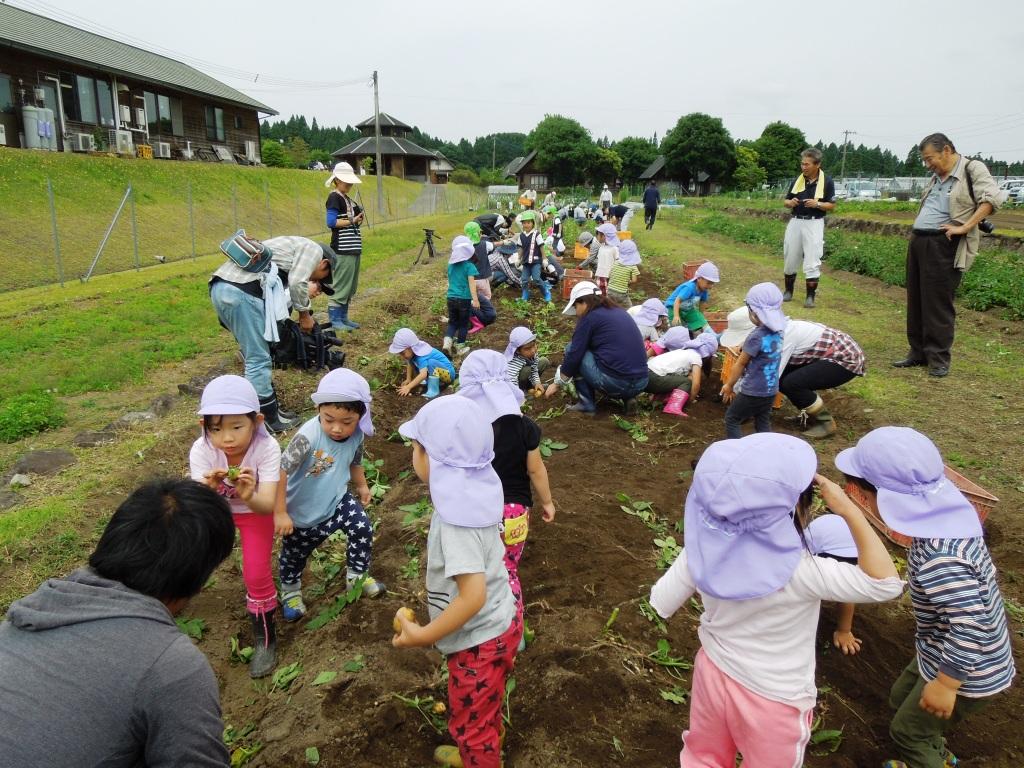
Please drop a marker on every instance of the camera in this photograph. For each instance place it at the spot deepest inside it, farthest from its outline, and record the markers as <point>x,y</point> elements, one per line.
<point>986,226</point>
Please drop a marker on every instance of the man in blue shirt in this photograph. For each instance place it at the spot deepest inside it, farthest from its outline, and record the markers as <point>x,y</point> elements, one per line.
<point>652,199</point>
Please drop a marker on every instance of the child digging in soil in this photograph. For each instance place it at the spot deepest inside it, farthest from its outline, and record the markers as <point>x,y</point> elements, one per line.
<point>237,458</point>
<point>474,619</point>
<point>625,271</point>
<point>423,365</point>
<point>963,655</point>
<point>829,536</point>
<point>753,681</point>
<point>685,303</point>
<point>676,368</point>
<point>325,454</point>
<point>462,298</point>
<point>651,318</point>
<point>517,458</point>
<point>523,366</point>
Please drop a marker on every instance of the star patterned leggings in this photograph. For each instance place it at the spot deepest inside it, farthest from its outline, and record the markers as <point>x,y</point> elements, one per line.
<point>348,517</point>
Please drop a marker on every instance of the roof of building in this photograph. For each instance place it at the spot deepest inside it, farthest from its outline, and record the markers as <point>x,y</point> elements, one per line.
<point>654,168</point>
<point>441,163</point>
<point>31,32</point>
<point>389,145</point>
<point>385,120</point>
<point>513,163</point>
<point>514,169</point>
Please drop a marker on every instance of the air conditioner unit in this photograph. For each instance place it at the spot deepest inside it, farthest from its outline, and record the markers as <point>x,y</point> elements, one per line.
<point>3,135</point>
<point>140,116</point>
<point>83,142</point>
<point>122,142</point>
<point>250,152</point>
<point>126,114</point>
<point>162,149</point>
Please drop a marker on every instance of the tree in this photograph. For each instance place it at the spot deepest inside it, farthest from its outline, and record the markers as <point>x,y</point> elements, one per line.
<point>605,164</point>
<point>636,154</point>
<point>779,148</point>
<point>697,143</point>
<point>297,151</point>
<point>748,174</point>
<point>273,154</point>
<point>564,148</point>
<point>913,166</point>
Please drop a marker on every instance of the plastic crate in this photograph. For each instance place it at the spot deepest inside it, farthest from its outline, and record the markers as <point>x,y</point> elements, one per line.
<point>729,357</point>
<point>581,251</point>
<point>980,499</point>
<point>573,276</point>
<point>625,235</point>
<point>718,321</point>
<point>690,269</point>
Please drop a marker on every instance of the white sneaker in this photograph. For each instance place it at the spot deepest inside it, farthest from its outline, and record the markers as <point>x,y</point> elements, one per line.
<point>371,587</point>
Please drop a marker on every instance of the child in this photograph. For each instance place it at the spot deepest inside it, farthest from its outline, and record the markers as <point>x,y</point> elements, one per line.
<point>624,273</point>
<point>237,457</point>
<point>753,682</point>
<point>677,372</point>
<point>524,366</point>
<point>482,249</point>
<point>963,648</point>
<point>754,378</point>
<point>462,298</point>
<point>829,536</point>
<point>517,458</point>
<point>607,254</point>
<point>651,318</point>
<point>325,454</point>
<point>474,620</point>
<point>423,363</point>
<point>687,300</point>
<point>532,258</point>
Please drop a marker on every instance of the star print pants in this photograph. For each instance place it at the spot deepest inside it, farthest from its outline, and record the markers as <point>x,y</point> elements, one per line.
<point>348,517</point>
<point>476,692</point>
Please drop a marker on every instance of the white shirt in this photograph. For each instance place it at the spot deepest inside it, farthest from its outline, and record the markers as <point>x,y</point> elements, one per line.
<point>767,643</point>
<point>798,336</point>
<point>607,255</point>
<point>676,361</point>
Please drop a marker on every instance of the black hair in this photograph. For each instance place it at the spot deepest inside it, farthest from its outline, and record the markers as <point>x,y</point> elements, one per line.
<point>357,407</point>
<point>594,300</point>
<point>166,539</point>
<point>937,141</point>
<point>840,558</point>
<point>214,420</point>
<point>803,506</point>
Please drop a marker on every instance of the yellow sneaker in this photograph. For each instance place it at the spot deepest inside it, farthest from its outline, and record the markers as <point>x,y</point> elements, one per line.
<point>448,755</point>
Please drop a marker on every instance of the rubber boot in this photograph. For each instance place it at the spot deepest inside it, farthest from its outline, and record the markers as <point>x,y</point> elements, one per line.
<point>526,293</point>
<point>475,326</point>
<point>336,315</point>
<point>545,289</point>
<point>433,387</point>
<point>346,320</point>
<point>272,415</point>
<point>812,288</point>
<point>790,285</point>
<point>819,421</point>
<point>264,643</point>
<point>284,414</point>
<point>676,401</point>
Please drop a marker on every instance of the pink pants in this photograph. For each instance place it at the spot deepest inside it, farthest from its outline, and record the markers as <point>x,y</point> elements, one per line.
<point>514,528</point>
<point>726,718</point>
<point>257,532</point>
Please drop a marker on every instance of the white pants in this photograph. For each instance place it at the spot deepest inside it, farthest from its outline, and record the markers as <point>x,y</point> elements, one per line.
<point>624,224</point>
<point>804,245</point>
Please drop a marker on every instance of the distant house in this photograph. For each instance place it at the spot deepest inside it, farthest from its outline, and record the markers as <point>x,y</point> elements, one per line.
<point>440,168</point>
<point>509,169</point>
<point>62,88</point>
<point>528,176</point>
<point>399,156</point>
<point>702,186</point>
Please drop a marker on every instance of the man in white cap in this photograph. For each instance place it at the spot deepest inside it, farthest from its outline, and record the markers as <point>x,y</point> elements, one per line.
<point>605,199</point>
<point>344,216</point>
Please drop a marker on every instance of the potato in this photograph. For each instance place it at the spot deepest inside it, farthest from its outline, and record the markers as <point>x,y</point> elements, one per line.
<point>408,613</point>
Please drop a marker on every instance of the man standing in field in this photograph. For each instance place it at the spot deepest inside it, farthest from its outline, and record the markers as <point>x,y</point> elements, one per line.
<point>93,669</point>
<point>943,244</point>
<point>652,199</point>
<point>811,195</point>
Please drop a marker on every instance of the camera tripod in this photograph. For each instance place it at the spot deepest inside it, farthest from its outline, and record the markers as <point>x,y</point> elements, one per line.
<point>428,243</point>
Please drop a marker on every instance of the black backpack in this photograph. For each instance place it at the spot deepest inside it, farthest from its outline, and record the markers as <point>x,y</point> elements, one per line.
<point>313,351</point>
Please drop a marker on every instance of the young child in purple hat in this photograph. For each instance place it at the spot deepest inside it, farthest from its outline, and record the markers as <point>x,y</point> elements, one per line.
<point>963,654</point>
<point>474,619</point>
<point>325,455</point>
<point>237,458</point>
<point>829,536</point>
<point>754,378</point>
<point>524,365</point>
<point>423,364</point>
<point>651,318</point>
<point>753,682</point>
<point>684,304</point>
<point>462,298</point>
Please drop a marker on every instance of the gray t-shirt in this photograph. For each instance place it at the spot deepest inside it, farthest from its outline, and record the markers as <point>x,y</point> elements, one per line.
<point>453,550</point>
<point>935,209</point>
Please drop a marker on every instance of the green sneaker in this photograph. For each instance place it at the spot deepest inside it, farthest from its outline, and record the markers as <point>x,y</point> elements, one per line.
<point>292,607</point>
<point>371,587</point>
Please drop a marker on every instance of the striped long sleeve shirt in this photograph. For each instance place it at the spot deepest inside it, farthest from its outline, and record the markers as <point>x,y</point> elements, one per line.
<point>961,620</point>
<point>517,363</point>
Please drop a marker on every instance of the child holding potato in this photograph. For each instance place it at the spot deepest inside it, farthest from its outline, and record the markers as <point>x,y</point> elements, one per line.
<point>473,616</point>
<point>524,367</point>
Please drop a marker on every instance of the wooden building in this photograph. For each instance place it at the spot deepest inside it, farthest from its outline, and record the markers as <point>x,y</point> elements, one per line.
<point>701,186</point>
<point>399,156</point>
<point>67,89</point>
<point>528,176</point>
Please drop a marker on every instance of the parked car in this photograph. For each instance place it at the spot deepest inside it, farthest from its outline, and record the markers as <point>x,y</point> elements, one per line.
<point>1017,195</point>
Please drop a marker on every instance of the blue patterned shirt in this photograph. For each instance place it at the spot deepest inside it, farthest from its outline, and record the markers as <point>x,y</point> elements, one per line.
<point>761,376</point>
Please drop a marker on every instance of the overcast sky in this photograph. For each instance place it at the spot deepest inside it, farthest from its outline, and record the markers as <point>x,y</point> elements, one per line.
<point>891,70</point>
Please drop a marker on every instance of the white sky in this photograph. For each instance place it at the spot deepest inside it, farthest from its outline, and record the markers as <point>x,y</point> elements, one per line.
<point>891,70</point>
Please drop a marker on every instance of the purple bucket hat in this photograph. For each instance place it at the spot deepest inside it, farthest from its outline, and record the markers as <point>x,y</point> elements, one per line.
<point>739,535</point>
<point>765,301</point>
<point>708,271</point>
<point>459,442</point>
<point>830,535</point>
<point>706,344</point>
<point>611,234</point>
<point>915,497</point>
<point>483,378</point>
<point>343,385</point>
<point>675,338</point>
<point>629,254</point>
<point>462,250</point>
<point>517,337</point>
<point>406,339</point>
<point>650,312</point>
<point>230,396</point>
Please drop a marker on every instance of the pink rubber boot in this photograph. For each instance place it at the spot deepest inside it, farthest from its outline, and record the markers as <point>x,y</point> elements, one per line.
<point>475,326</point>
<point>676,402</point>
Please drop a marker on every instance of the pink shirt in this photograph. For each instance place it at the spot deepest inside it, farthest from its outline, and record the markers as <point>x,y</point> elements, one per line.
<point>264,456</point>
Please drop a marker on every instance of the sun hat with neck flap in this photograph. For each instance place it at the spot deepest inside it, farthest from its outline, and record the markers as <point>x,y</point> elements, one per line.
<point>517,337</point>
<point>462,250</point>
<point>650,312</point>
<point>765,301</point>
<point>459,442</point>
<point>404,338</point>
<point>230,395</point>
<point>483,378</point>
<point>343,385</point>
<point>739,535</point>
<point>915,497</point>
<point>629,254</point>
<point>830,534</point>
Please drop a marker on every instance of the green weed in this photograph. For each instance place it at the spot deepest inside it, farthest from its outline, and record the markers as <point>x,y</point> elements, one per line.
<point>29,413</point>
<point>193,627</point>
<point>334,610</point>
<point>548,446</point>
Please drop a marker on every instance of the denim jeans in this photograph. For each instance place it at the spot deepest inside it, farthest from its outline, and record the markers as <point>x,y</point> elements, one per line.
<point>533,272</point>
<point>243,315</point>
<point>487,314</point>
<point>592,378</point>
<point>742,408</point>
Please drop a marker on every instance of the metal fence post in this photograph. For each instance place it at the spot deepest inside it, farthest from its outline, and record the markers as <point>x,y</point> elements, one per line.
<point>56,236</point>
<point>270,215</point>
<point>106,236</point>
<point>191,219</point>
<point>234,203</point>
<point>298,213</point>
<point>135,230</point>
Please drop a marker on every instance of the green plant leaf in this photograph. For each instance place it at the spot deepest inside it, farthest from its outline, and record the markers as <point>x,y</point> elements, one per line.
<point>356,665</point>
<point>312,756</point>
<point>325,677</point>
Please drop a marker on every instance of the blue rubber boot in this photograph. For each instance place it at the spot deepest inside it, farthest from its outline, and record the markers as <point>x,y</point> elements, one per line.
<point>433,387</point>
<point>545,288</point>
<point>347,320</point>
<point>526,293</point>
<point>336,314</point>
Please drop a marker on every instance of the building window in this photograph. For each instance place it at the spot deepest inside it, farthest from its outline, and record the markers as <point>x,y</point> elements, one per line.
<point>163,104</point>
<point>215,124</point>
<point>537,182</point>
<point>105,99</point>
<point>85,95</point>
<point>6,97</point>
<point>238,122</point>
<point>164,115</point>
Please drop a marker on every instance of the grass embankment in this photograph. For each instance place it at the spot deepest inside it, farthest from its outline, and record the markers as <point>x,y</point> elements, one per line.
<point>88,190</point>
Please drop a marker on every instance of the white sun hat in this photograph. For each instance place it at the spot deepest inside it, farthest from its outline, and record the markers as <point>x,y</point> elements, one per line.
<point>343,172</point>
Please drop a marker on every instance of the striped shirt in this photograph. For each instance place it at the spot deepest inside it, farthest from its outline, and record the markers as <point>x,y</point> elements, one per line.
<point>961,620</point>
<point>345,239</point>
<point>295,256</point>
<point>517,363</point>
<point>620,276</point>
<point>836,346</point>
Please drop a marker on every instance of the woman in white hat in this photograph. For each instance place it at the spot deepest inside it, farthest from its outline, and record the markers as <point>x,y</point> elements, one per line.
<point>344,216</point>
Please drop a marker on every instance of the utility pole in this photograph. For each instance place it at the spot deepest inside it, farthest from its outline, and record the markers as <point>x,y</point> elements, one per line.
<point>376,133</point>
<point>846,140</point>
<point>494,148</point>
